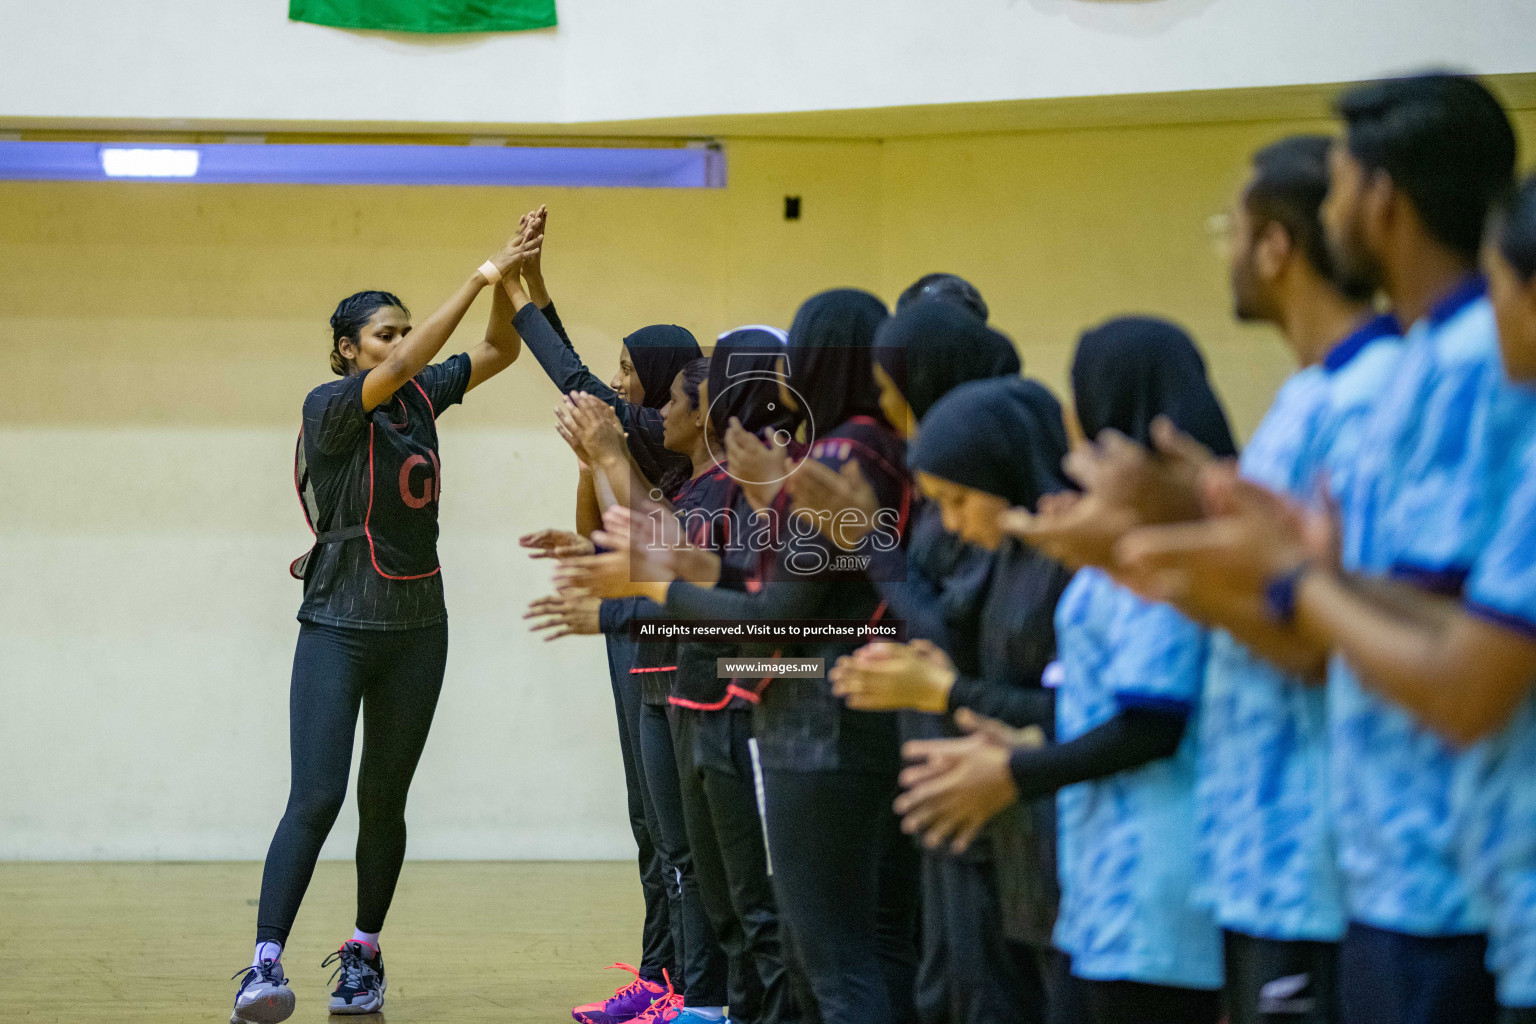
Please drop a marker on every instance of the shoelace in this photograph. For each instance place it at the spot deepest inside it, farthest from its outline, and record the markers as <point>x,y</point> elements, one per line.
<point>351,966</point>
<point>638,985</point>
<point>663,1003</point>
<point>664,1009</point>
<point>266,971</point>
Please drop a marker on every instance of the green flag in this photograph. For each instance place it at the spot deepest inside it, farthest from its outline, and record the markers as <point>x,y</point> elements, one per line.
<point>427,15</point>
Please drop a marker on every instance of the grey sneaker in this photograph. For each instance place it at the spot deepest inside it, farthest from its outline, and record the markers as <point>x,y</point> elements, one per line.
<point>361,988</point>
<point>264,996</point>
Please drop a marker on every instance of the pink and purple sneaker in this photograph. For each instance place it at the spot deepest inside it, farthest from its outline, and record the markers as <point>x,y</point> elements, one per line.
<point>627,1003</point>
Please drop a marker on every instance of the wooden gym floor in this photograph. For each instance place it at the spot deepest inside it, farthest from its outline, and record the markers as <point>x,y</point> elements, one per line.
<point>154,943</point>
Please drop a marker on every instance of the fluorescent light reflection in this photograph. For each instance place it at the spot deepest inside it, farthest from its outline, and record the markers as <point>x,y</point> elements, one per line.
<point>150,163</point>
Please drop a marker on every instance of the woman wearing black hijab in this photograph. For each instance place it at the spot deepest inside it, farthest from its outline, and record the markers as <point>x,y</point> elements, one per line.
<point>987,912</point>
<point>846,879</point>
<point>1129,370</point>
<point>844,876</point>
<point>695,728</point>
<point>921,354</point>
<point>711,718</point>
<point>649,360</point>
<point>927,350</point>
<point>1121,766</point>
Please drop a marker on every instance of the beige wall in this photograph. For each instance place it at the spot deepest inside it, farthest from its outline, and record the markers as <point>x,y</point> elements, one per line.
<point>157,341</point>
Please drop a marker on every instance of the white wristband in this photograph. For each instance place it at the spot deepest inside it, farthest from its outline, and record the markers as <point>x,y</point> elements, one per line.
<point>490,273</point>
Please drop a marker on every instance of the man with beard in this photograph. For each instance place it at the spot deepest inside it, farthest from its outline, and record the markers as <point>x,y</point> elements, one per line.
<point>1266,835</point>
<point>1410,189</point>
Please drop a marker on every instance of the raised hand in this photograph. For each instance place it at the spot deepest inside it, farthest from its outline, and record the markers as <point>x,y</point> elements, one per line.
<point>759,466</point>
<point>553,543</point>
<point>518,249</point>
<point>534,223</point>
<point>564,614</point>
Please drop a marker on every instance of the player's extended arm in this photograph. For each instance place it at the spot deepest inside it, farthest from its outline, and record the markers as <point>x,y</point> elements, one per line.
<point>411,354</point>
<point>1464,676</point>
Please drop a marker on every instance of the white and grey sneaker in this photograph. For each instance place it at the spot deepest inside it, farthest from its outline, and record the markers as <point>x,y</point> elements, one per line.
<point>264,996</point>
<point>361,988</point>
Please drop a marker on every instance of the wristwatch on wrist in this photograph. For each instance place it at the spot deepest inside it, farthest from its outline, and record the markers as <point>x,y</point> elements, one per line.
<point>1280,594</point>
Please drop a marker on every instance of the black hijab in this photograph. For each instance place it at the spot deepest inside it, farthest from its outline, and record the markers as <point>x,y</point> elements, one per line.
<point>1004,436</point>
<point>659,353</point>
<point>931,347</point>
<point>831,345</point>
<point>744,380</point>
<point>1130,370</point>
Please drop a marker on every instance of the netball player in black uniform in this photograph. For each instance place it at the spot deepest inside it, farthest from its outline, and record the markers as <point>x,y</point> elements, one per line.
<point>844,877</point>
<point>373,628</point>
<point>650,362</point>
<point>712,796</point>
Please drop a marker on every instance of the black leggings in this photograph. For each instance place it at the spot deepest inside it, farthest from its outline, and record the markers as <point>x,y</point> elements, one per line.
<point>847,882</point>
<point>1133,1002</point>
<point>970,972</point>
<point>1389,977</point>
<point>730,857</point>
<point>702,962</point>
<point>395,677</point>
<point>659,938</point>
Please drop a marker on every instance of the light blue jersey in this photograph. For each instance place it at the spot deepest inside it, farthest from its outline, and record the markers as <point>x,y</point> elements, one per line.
<point>1267,855</point>
<point>1419,506</point>
<point>1126,843</point>
<point>1496,798</point>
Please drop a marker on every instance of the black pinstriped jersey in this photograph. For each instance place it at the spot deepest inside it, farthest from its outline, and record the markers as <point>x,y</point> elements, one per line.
<point>344,585</point>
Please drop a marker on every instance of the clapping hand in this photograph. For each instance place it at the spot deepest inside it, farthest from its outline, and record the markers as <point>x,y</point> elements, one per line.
<point>759,466</point>
<point>553,543</point>
<point>842,501</point>
<point>591,428</point>
<point>953,787</point>
<point>886,677</point>
<point>566,613</point>
<point>1251,536</point>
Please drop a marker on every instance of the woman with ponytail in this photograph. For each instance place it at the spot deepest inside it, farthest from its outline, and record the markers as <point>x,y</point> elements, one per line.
<point>373,633</point>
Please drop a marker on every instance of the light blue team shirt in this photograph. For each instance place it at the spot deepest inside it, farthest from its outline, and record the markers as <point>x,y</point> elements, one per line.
<point>1496,794</point>
<point>1418,506</point>
<point>1126,843</point>
<point>1268,864</point>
